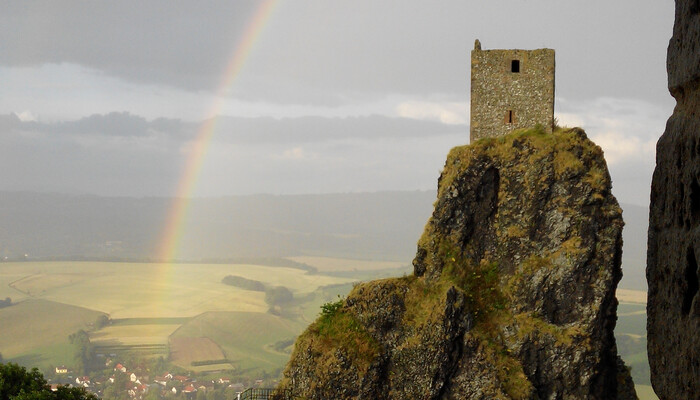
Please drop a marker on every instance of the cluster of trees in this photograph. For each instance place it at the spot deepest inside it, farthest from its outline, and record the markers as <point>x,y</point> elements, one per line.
<point>6,303</point>
<point>16,383</point>
<point>275,296</point>
<point>83,351</point>
<point>278,297</point>
<point>102,321</point>
<point>244,283</point>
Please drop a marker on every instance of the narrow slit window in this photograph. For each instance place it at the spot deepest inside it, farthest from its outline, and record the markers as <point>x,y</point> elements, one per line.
<point>515,66</point>
<point>510,117</point>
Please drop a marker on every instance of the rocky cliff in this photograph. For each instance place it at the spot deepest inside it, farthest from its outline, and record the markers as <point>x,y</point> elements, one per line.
<point>673,308</point>
<point>512,294</point>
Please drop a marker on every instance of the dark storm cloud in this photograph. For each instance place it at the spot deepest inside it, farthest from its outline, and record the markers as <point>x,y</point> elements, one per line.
<point>333,52</point>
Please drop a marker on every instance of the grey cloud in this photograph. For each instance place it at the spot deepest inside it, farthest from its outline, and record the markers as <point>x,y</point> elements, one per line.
<point>8,122</point>
<point>319,129</point>
<point>180,43</point>
<point>116,124</point>
<point>112,124</point>
<point>336,52</point>
<point>240,130</point>
<point>127,155</point>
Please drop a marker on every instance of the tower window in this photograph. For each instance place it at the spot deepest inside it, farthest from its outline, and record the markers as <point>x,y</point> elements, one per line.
<point>515,66</point>
<point>510,117</point>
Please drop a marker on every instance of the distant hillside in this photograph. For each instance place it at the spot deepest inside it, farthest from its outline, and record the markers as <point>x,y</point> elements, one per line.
<point>366,225</point>
<point>634,247</point>
<point>380,226</point>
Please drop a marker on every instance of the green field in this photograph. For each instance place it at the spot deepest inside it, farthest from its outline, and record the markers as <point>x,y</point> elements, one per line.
<point>630,333</point>
<point>37,330</point>
<point>246,338</point>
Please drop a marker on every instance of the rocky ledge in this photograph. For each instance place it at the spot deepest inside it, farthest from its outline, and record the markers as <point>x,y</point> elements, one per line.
<point>513,291</point>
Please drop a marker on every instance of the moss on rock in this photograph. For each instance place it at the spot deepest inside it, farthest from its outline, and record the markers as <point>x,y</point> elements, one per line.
<point>512,294</point>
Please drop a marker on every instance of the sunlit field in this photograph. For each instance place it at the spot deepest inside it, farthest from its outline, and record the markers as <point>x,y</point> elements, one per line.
<point>38,329</point>
<point>142,290</point>
<point>133,334</point>
<point>247,339</point>
<point>173,310</point>
<point>631,296</point>
<point>329,264</point>
<point>151,304</point>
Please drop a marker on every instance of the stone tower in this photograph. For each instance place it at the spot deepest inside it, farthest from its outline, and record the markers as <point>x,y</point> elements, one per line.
<point>511,89</point>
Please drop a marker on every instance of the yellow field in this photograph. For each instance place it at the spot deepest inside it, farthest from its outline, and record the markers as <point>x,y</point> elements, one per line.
<point>141,290</point>
<point>185,350</point>
<point>631,296</point>
<point>31,324</point>
<point>7,277</point>
<point>149,303</point>
<point>133,334</point>
<point>245,338</point>
<point>328,264</point>
<point>645,392</point>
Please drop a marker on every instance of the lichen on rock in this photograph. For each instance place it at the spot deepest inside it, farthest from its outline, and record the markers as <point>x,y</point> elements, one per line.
<point>512,295</point>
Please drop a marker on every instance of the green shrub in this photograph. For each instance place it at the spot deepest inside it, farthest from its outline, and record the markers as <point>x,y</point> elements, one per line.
<point>331,308</point>
<point>479,282</point>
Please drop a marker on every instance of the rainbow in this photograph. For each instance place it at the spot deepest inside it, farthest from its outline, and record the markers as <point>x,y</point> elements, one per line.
<point>174,226</point>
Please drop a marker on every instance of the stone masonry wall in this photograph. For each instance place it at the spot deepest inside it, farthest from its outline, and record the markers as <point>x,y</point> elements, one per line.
<point>502,100</point>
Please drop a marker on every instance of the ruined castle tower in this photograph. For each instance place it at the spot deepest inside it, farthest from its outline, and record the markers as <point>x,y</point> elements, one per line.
<point>511,89</point>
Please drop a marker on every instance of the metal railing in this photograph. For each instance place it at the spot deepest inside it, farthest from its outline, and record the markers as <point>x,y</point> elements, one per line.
<point>265,394</point>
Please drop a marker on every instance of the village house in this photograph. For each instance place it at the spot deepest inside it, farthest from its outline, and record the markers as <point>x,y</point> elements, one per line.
<point>83,381</point>
<point>205,386</point>
<point>189,389</point>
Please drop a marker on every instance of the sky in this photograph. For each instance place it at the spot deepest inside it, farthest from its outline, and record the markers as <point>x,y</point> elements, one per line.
<point>316,96</point>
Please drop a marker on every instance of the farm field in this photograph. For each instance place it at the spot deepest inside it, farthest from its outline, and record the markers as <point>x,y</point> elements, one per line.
<point>133,334</point>
<point>631,296</point>
<point>185,312</point>
<point>150,305</point>
<point>245,338</point>
<point>41,328</point>
<point>645,392</point>
<point>143,290</point>
<point>186,351</point>
<point>6,280</point>
<point>329,264</point>
<point>630,333</point>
